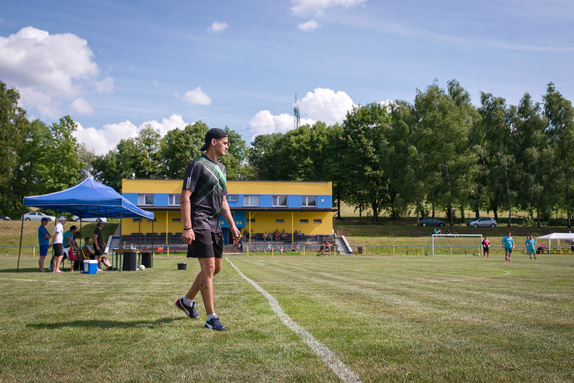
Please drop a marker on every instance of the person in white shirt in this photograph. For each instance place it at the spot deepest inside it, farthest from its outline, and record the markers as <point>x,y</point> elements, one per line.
<point>58,244</point>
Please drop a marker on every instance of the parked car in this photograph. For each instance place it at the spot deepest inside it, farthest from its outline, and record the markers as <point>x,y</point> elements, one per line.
<point>4,218</point>
<point>429,221</point>
<point>482,222</point>
<point>37,216</point>
<point>88,219</point>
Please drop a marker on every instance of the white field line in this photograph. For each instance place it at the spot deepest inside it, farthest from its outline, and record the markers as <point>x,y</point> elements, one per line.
<point>328,357</point>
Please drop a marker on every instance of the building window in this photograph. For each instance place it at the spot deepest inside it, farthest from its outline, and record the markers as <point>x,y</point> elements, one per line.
<point>303,221</point>
<point>279,220</point>
<point>309,201</point>
<point>279,201</point>
<point>174,199</point>
<point>137,219</point>
<point>146,199</point>
<point>251,200</point>
<point>176,220</point>
<point>252,220</point>
<point>232,198</point>
<point>152,220</point>
<point>317,221</point>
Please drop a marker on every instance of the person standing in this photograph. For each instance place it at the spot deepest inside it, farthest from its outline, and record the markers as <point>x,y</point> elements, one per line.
<point>507,245</point>
<point>530,246</point>
<point>486,247</point>
<point>99,243</point>
<point>44,242</point>
<point>202,203</point>
<point>72,246</point>
<point>58,244</point>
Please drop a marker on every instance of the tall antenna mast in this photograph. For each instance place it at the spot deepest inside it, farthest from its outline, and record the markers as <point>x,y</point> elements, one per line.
<point>296,115</point>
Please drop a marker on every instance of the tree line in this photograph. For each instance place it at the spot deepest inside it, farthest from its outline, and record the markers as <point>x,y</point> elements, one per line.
<point>439,153</point>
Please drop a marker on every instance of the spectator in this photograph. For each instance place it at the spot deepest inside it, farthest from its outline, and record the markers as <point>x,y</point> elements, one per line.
<point>71,244</point>
<point>508,246</point>
<point>486,247</point>
<point>44,242</point>
<point>530,246</point>
<point>58,244</point>
<point>99,242</point>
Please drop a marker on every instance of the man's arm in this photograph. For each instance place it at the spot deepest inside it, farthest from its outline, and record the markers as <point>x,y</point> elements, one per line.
<point>185,206</point>
<point>226,212</point>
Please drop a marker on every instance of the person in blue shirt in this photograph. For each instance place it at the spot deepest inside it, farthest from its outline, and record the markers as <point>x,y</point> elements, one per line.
<point>44,242</point>
<point>507,245</point>
<point>530,246</point>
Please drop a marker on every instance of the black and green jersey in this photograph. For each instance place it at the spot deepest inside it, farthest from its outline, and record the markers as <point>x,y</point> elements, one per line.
<point>207,181</point>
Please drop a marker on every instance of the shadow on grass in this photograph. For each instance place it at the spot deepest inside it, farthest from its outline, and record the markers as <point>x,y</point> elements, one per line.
<point>22,270</point>
<point>103,324</point>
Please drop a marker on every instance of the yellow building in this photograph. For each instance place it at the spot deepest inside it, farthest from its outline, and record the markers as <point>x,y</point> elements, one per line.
<point>258,208</point>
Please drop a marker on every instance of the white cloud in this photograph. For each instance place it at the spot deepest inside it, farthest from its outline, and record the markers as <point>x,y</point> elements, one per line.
<point>326,105</point>
<point>218,26</point>
<point>309,26</point>
<point>101,141</point>
<point>49,70</point>
<point>197,96</point>
<point>266,123</point>
<point>81,106</point>
<point>306,7</point>
<point>320,105</point>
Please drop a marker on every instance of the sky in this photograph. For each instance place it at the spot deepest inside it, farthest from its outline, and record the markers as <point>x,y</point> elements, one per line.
<point>118,66</point>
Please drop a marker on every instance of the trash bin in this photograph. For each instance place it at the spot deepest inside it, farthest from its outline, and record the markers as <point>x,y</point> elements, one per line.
<point>147,260</point>
<point>130,261</point>
<point>182,266</point>
<point>360,249</point>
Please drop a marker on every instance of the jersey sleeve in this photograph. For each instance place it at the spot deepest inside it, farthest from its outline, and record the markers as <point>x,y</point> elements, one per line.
<point>191,176</point>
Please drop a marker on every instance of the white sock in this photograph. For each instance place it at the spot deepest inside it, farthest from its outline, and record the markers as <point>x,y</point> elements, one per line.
<point>187,301</point>
<point>210,316</point>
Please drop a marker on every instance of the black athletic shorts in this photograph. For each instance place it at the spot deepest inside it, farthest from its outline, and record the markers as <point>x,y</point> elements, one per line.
<point>58,249</point>
<point>206,245</point>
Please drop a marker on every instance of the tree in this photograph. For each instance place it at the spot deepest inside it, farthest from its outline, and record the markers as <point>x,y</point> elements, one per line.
<point>260,152</point>
<point>560,116</point>
<point>14,127</point>
<point>534,158</point>
<point>180,147</point>
<point>499,135</point>
<point>362,151</point>
<point>444,121</point>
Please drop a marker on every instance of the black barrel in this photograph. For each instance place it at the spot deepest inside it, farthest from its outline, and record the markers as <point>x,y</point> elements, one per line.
<point>147,260</point>
<point>130,261</point>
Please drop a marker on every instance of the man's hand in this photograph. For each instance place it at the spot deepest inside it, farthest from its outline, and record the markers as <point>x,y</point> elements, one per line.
<point>235,231</point>
<point>188,236</point>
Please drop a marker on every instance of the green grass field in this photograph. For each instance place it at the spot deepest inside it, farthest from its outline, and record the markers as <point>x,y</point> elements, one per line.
<point>396,319</point>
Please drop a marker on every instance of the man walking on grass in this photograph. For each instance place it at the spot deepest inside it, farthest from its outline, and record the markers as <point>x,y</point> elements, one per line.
<point>202,203</point>
<point>508,245</point>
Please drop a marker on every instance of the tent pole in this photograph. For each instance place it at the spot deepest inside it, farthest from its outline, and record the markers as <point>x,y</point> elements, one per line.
<point>21,231</point>
<point>121,247</point>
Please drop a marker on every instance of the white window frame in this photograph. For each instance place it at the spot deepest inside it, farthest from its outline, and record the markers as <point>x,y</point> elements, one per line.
<point>143,199</point>
<point>307,199</point>
<point>173,200</point>
<point>247,200</point>
<point>279,198</point>
<point>232,197</point>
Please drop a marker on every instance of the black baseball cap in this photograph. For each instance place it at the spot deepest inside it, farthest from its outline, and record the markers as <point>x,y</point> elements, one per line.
<point>211,134</point>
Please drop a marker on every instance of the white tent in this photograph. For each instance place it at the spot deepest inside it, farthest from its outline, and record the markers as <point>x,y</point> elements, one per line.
<point>568,237</point>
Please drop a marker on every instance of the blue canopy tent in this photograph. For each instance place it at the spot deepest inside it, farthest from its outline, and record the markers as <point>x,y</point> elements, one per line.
<point>88,199</point>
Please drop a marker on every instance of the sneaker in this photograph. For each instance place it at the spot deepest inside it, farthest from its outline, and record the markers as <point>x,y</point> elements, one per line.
<point>215,324</point>
<point>190,311</point>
